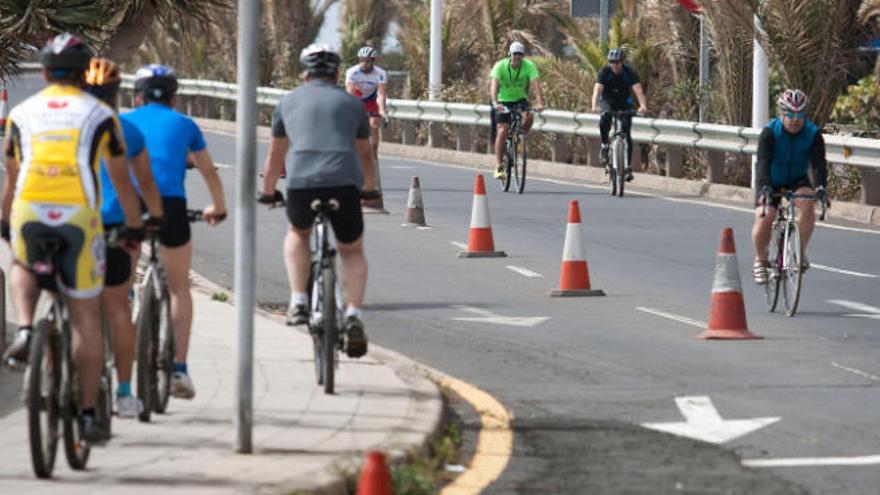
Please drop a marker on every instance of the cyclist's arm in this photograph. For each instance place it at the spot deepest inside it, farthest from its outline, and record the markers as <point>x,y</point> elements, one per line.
<point>365,153</point>
<point>640,95</point>
<point>381,98</point>
<point>766,142</point>
<point>117,168</point>
<point>209,172</point>
<point>493,91</point>
<point>539,95</point>
<point>140,165</point>
<point>818,161</point>
<point>350,87</point>
<point>597,93</point>
<point>274,163</point>
<point>11,151</point>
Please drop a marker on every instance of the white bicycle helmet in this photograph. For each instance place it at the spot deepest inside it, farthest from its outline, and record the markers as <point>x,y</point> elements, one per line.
<point>366,52</point>
<point>793,100</point>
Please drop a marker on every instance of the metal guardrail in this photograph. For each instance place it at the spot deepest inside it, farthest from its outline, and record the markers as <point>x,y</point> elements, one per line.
<point>858,152</point>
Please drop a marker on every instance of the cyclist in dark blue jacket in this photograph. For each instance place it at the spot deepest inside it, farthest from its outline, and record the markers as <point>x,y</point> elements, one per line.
<point>788,147</point>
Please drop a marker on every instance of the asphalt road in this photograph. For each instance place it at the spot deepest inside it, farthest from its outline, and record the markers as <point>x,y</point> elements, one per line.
<point>580,382</point>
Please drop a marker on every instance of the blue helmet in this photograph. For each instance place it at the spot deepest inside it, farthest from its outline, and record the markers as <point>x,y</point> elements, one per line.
<point>155,81</point>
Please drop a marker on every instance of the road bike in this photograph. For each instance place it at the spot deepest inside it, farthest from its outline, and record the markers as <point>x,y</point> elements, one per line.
<point>154,351</point>
<point>786,270</point>
<point>325,298</point>
<point>616,162</point>
<point>50,380</point>
<point>514,158</point>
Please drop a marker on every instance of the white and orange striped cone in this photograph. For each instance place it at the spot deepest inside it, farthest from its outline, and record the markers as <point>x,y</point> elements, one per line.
<point>376,205</point>
<point>727,312</point>
<point>574,279</point>
<point>480,242</point>
<point>4,109</point>
<point>415,209</point>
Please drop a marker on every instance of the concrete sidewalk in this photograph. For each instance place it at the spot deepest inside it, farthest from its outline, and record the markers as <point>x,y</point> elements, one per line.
<point>303,439</point>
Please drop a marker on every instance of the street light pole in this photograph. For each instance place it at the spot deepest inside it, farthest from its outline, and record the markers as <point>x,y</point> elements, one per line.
<point>436,49</point>
<point>603,21</point>
<point>245,219</point>
<point>760,90</point>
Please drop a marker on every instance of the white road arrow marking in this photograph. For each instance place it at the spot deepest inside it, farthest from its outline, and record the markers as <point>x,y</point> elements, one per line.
<point>486,316</point>
<point>842,271</point>
<point>702,422</point>
<point>866,311</point>
<point>664,314</point>
<point>459,245</point>
<point>525,272</point>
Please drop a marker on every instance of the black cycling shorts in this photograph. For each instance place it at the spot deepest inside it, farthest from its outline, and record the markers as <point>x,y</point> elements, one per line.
<point>774,202</point>
<point>347,221</point>
<point>118,263</point>
<point>175,231</point>
<point>504,117</point>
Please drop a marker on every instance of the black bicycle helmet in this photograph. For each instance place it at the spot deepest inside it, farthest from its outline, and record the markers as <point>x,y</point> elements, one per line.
<point>616,55</point>
<point>155,81</point>
<point>319,60</point>
<point>65,52</point>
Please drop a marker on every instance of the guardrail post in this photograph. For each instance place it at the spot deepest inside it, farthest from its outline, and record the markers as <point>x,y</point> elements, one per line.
<point>674,161</point>
<point>593,146</point>
<point>224,114</point>
<point>715,166</point>
<point>560,151</point>
<point>189,106</point>
<point>870,186</point>
<point>409,132</point>
<point>435,134</point>
<point>636,162</point>
<point>464,137</point>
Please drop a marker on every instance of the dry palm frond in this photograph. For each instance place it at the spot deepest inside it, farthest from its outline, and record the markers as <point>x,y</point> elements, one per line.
<point>364,22</point>
<point>733,44</point>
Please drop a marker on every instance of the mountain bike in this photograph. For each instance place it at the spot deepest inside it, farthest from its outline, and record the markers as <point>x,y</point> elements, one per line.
<point>617,161</point>
<point>50,380</point>
<point>154,351</point>
<point>514,158</point>
<point>786,270</point>
<point>325,298</point>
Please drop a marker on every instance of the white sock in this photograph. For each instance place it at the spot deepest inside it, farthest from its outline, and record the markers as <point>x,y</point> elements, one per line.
<point>299,298</point>
<point>353,311</point>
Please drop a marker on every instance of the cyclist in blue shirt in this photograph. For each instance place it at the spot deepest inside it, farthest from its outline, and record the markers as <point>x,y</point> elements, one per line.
<point>170,137</point>
<point>102,81</point>
<point>788,146</point>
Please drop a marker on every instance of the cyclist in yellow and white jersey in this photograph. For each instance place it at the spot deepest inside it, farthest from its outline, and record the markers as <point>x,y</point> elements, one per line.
<point>54,143</point>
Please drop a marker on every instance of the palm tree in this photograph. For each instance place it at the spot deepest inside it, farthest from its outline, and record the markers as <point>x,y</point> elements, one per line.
<point>869,15</point>
<point>811,43</point>
<point>364,22</point>
<point>526,21</point>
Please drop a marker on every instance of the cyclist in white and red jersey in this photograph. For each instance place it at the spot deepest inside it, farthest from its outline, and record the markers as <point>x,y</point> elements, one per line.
<point>367,81</point>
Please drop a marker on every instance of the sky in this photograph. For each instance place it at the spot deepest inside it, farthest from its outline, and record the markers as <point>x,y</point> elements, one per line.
<point>329,32</point>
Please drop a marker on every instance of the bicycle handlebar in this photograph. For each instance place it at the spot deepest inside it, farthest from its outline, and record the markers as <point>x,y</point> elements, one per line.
<point>792,196</point>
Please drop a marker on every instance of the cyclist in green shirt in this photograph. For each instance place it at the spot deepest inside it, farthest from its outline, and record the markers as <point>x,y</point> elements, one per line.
<point>511,79</point>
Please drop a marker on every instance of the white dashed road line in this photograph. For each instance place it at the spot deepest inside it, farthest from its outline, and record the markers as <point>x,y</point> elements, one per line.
<point>856,372</point>
<point>682,319</point>
<point>842,271</point>
<point>525,272</point>
<point>864,460</point>
<point>459,245</point>
<point>865,310</point>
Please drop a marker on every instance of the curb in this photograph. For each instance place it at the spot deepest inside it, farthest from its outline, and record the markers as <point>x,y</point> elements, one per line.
<point>425,417</point>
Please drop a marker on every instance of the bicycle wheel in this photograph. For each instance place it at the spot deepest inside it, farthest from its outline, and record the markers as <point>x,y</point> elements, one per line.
<point>793,273</point>
<point>43,379</point>
<point>104,407</point>
<point>519,169</point>
<point>315,308</point>
<point>774,274</point>
<point>163,340</point>
<point>508,160</point>
<point>76,448</point>
<point>145,354</point>
<point>2,311</point>
<point>619,150</point>
<point>610,164</point>
<point>328,288</point>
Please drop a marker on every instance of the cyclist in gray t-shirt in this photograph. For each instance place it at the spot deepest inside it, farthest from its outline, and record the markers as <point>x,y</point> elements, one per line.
<point>322,135</point>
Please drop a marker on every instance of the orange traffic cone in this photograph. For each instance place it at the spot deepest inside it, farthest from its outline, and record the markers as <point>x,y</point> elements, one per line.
<point>415,210</point>
<point>480,243</point>
<point>574,279</point>
<point>727,313</point>
<point>375,479</point>
<point>4,99</point>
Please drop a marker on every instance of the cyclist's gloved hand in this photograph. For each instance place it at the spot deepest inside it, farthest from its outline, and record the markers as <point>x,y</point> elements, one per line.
<point>371,194</point>
<point>5,230</point>
<point>764,192</point>
<point>152,224</point>
<point>820,194</point>
<point>129,237</point>
<point>271,199</point>
<point>384,120</point>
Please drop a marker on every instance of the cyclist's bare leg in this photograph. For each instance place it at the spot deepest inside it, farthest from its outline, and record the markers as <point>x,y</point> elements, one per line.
<point>354,271</point>
<point>25,294</point>
<point>88,346</point>
<point>500,137</point>
<point>761,232</point>
<point>297,258</point>
<point>528,120</point>
<point>177,262</point>
<point>806,216</point>
<point>375,122</point>
<point>117,310</point>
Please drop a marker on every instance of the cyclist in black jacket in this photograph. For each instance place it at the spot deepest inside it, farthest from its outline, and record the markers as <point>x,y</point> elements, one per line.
<point>788,147</point>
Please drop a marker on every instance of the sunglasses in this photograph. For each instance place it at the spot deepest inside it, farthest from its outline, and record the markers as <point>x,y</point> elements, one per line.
<point>795,115</point>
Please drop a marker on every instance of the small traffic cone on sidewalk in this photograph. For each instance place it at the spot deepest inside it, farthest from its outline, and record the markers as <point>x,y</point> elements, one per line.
<point>480,243</point>
<point>415,210</point>
<point>4,111</point>
<point>727,313</point>
<point>574,279</point>
<point>375,478</point>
